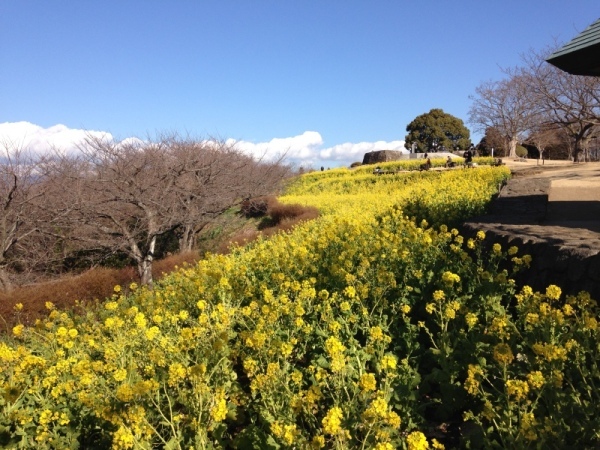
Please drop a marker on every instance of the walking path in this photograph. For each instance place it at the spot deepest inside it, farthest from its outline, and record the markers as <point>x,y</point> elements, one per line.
<point>552,211</point>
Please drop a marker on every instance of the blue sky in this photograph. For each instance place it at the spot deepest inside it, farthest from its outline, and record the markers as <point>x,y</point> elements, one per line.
<point>325,80</point>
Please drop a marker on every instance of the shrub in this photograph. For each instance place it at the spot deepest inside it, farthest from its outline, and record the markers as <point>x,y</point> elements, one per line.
<point>521,151</point>
<point>256,207</point>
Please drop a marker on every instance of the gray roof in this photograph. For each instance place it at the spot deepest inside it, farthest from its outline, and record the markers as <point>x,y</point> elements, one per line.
<point>580,56</point>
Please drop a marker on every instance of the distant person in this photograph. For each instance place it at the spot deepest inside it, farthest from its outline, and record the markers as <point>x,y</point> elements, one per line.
<point>468,157</point>
<point>426,165</point>
<point>449,162</point>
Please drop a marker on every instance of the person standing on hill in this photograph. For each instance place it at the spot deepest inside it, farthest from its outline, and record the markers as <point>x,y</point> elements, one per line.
<point>468,157</point>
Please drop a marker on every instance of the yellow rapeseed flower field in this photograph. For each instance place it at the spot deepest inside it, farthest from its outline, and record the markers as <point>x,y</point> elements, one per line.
<point>368,327</point>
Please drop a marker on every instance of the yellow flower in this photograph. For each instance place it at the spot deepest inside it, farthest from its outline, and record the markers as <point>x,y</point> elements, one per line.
<point>481,235</point>
<point>471,320</point>
<point>430,308</point>
<point>417,441</point>
<point>517,389</point>
<point>332,421</point>
<point>318,442</point>
<point>218,412</point>
<point>18,306</point>
<point>18,330</point>
<point>376,333</point>
<point>553,292</point>
<point>513,250</point>
<point>536,379</point>
<point>388,362</point>
<point>503,354</point>
<point>49,306</point>
<point>497,248</point>
<point>368,382</point>
<point>120,374</point>
<point>117,288</point>
<point>439,295</point>
<point>450,278</point>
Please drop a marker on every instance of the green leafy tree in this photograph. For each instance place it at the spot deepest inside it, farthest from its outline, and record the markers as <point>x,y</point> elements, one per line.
<point>437,131</point>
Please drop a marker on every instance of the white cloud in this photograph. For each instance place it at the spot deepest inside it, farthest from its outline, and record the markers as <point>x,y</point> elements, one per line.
<point>306,149</point>
<point>43,140</point>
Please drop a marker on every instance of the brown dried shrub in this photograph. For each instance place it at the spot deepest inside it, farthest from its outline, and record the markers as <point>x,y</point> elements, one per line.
<point>75,292</point>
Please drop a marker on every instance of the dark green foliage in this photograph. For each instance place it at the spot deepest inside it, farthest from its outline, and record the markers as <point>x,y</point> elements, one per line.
<point>437,131</point>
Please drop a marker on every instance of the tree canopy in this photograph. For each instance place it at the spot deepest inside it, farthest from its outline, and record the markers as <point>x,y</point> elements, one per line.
<point>437,131</point>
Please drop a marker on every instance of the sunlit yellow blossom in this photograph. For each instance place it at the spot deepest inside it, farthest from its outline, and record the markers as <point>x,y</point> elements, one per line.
<point>49,306</point>
<point>568,310</point>
<point>120,374</point>
<point>471,319</point>
<point>553,292</point>
<point>436,445</point>
<point>111,306</point>
<point>218,412</point>
<point>497,248</point>
<point>517,389</point>
<point>376,333</point>
<point>450,278</point>
<point>384,446</point>
<point>513,250</point>
<point>176,373</point>
<point>332,422</point>
<point>286,349</point>
<point>405,309</point>
<point>439,295</point>
<point>535,379</point>
<point>449,312</point>
<point>350,292</point>
<point>117,288</point>
<point>430,308</point>
<point>481,235</point>
<point>18,307</point>
<point>368,382</point>
<point>417,441</point>
<point>18,330</point>
<point>389,362</point>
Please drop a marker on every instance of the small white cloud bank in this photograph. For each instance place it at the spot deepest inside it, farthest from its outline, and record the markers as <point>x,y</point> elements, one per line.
<point>308,150</point>
<point>39,140</point>
<point>304,150</point>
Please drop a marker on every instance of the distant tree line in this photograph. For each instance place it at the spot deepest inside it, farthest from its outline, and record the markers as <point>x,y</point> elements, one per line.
<point>541,107</point>
<point>132,200</point>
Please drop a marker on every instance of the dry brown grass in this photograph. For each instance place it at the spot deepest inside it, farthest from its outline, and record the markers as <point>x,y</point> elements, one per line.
<point>76,291</point>
<point>281,218</point>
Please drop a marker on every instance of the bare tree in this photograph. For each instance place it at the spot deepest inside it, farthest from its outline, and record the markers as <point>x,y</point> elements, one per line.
<point>22,215</point>
<point>569,101</point>
<point>506,106</point>
<point>543,136</point>
<point>120,196</point>
<point>125,196</point>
